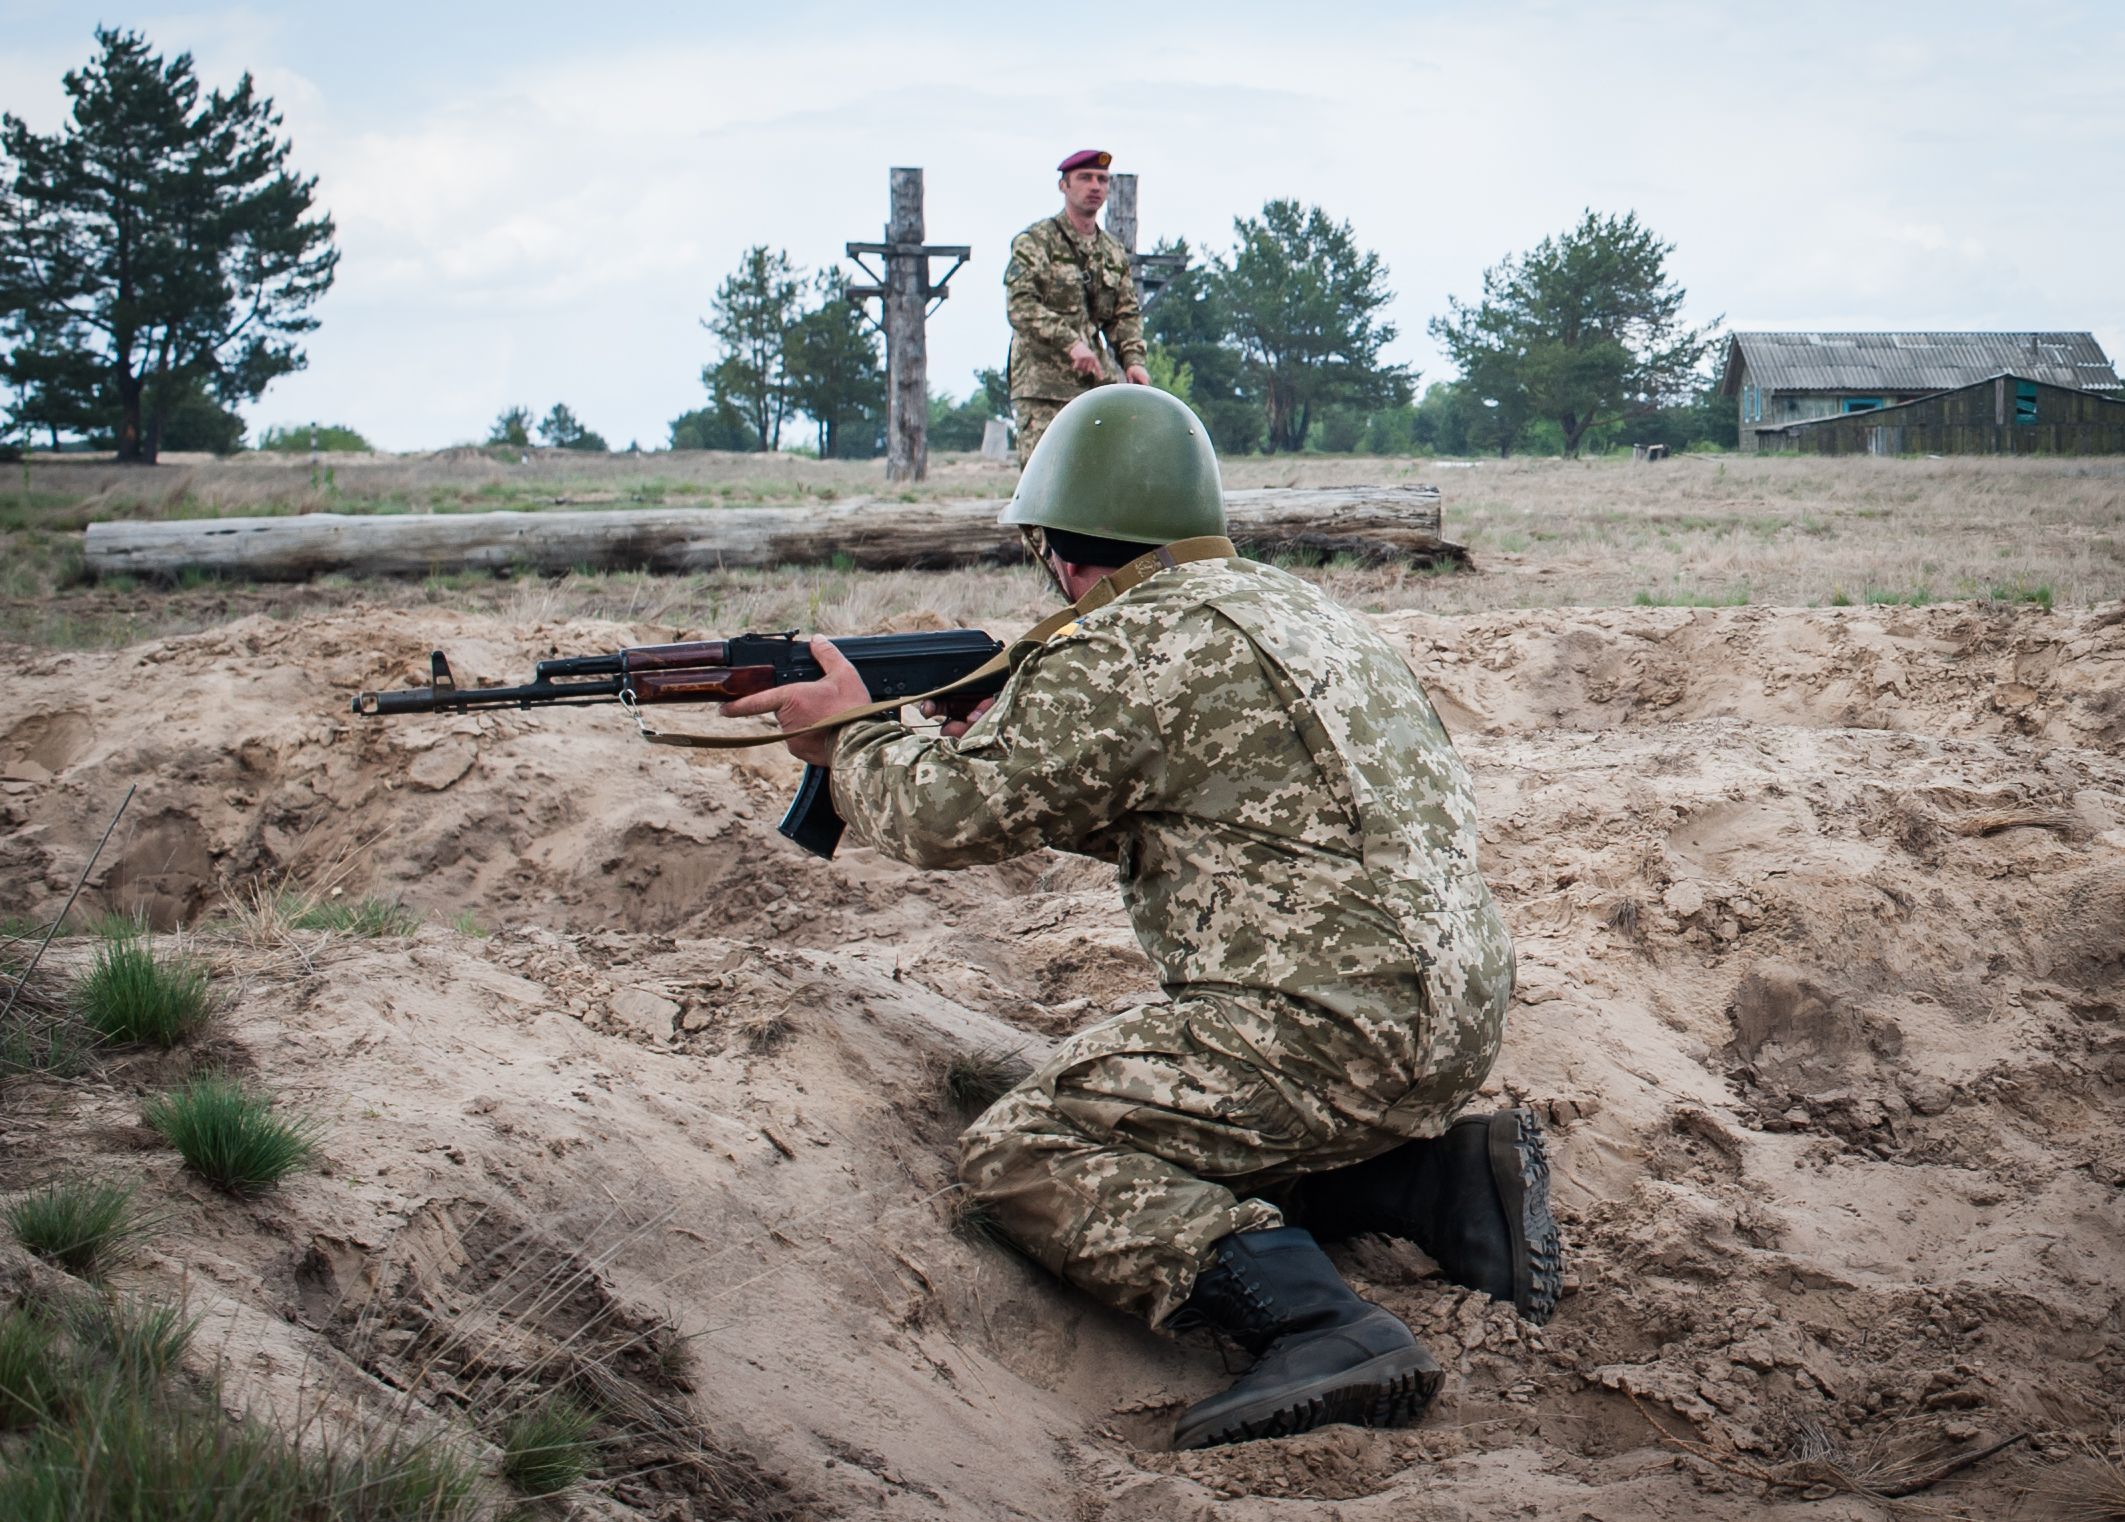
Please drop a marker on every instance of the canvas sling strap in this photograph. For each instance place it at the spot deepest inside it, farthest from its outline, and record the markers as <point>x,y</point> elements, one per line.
<point>1102,592</point>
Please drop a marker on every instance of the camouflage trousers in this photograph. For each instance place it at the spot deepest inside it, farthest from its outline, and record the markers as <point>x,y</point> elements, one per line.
<point>1032,415</point>
<point>1137,1145</point>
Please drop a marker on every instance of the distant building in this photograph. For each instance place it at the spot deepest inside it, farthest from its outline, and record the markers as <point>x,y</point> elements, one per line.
<point>2004,414</point>
<point>1784,378</point>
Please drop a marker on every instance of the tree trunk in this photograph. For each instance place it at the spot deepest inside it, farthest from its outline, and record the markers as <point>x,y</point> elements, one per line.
<point>131,446</point>
<point>1375,523</point>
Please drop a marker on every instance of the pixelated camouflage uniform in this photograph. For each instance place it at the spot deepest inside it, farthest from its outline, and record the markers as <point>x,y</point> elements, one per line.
<point>1295,840</point>
<point>1062,287</point>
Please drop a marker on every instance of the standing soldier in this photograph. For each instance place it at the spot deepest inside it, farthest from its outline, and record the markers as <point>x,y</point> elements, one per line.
<point>1075,320</point>
<point>1295,840</point>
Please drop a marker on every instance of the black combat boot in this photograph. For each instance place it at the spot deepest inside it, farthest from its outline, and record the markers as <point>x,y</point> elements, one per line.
<point>1321,1354</point>
<point>1475,1199</point>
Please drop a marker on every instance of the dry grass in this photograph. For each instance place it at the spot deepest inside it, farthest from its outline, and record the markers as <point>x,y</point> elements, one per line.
<point>975,1080</point>
<point>2087,1487</point>
<point>1698,530</point>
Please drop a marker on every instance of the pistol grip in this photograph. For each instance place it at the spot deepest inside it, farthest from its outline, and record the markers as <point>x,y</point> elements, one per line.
<point>811,820</point>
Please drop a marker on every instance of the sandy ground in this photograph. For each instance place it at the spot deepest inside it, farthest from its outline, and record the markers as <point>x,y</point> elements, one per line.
<point>1821,917</point>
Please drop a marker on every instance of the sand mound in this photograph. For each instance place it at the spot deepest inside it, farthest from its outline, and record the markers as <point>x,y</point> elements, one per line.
<point>1821,918</point>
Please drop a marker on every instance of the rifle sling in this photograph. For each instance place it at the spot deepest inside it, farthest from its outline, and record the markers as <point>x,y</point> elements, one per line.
<point>1126,578</point>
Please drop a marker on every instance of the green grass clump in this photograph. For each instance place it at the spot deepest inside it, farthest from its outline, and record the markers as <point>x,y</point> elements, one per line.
<point>547,1448</point>
<point>29,1370</point>
<point>76,1223</point>
<point>143,1341</point>
<point>128,994</point>
<point>2040,596</point>
<point>230,1136</point>
<point>1737,598</point>
<point>369,916</point>
<point>112,1435</point>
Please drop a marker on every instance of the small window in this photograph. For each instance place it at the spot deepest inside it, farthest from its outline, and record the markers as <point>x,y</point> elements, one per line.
<point>1862,403</point>
<point>2025,401</point>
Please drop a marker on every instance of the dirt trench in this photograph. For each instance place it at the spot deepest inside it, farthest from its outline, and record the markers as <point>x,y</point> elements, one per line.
<point>1821,918</point>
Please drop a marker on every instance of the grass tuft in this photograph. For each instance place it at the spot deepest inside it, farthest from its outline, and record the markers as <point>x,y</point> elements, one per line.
<point>78,1224</point>
<point>229,1135</point>
<point>547,1448</point>
<point>30,1372</point>
<point>369,916</point>
<point>974,1222</point>
<point>41,1034</point>
<point>128,994</point>
<point>142,1340</point>
<point>2087,1487</point>
<point>975,1080</point>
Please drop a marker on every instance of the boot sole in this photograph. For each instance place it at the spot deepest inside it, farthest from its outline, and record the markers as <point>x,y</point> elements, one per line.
<point>1386,1391</point>
<point>1519,1164</point>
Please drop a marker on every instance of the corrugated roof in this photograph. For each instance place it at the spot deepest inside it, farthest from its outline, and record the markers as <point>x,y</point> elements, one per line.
<point>1913,361</point>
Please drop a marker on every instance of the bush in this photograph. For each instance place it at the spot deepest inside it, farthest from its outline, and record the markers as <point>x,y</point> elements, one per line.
<point>230,1136</point>
<point>302,438</point>
<point>127,995</point>
<point>547,1448</point>
<point>77,1224</point>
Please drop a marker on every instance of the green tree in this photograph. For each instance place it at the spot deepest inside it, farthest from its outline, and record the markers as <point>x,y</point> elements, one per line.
<point>1584,330</point>
<point>1172,375</point>
<point>1190,326</point>
<point>835,375</point>
<point>302,438</point>
<point>513,427</point>
<point>1302,300</point>
<point>194,422</point>
<point>562,429</point>
<point>716,426</point>
<point>958,425</point>
<point>161,234</point>
<point>755,308</point>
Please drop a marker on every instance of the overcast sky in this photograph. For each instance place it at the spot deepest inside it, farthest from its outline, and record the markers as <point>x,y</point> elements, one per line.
<point>536,201</point>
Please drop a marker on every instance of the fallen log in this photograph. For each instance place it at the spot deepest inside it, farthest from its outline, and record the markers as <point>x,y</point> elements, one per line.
<point>1373,523</point>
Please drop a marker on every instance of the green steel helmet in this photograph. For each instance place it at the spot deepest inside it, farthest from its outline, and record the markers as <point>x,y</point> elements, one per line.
<point>1123,462</point>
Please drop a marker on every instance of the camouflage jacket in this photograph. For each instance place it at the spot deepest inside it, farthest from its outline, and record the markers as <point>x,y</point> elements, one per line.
<point>1294,834</point>
<point>1062,287</point>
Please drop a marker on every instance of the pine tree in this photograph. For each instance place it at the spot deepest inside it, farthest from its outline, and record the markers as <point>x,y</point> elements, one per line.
<point>160,235</point>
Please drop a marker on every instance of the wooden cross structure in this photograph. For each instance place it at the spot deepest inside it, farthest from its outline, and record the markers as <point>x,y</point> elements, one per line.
<point>1152,271</point>
<point>906,297</point>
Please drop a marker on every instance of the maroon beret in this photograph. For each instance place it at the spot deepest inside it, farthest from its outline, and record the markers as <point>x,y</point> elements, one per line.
<point>1086,158</point>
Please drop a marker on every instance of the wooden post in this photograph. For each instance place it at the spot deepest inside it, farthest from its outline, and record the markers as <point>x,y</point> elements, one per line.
<point>905,293</point>
<point>1152,271</point>
<point>907,349</point>
<point>1121,210</point>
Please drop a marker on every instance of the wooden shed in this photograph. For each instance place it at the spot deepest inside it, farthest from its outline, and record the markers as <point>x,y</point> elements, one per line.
<point>1783,378</point>
<point>2002,414</point>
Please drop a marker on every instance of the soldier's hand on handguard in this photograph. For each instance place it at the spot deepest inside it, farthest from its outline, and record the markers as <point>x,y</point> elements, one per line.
<point>1138,375</point>
<point>952,729</point>
<point>802,704</point>
<point>1082,359</point>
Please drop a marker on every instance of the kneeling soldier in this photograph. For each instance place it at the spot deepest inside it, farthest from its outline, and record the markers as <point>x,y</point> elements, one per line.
<point>1295,840</point>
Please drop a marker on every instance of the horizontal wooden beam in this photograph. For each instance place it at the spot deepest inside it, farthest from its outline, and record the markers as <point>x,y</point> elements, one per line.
<point>1375,523</point>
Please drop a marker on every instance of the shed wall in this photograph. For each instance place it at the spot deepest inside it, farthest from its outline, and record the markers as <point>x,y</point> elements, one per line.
<point>1977,419</point>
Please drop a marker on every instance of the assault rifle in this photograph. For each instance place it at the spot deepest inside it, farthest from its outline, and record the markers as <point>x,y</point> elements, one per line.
<point>893,666</point>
